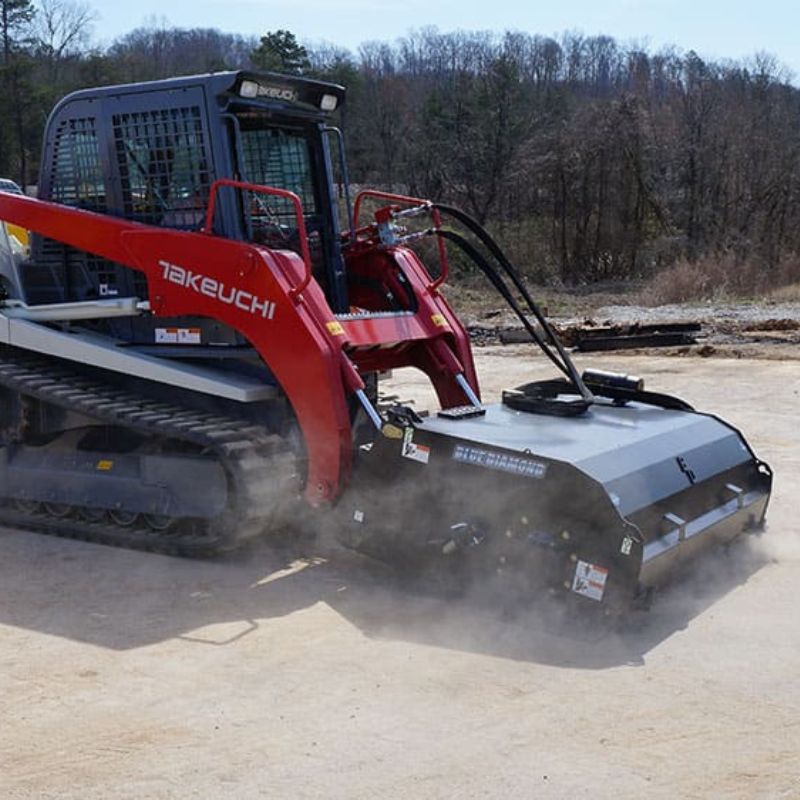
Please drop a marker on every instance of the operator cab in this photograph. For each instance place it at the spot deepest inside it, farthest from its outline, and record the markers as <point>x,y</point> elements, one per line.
<point>279,137</point>
<point>151,152</point>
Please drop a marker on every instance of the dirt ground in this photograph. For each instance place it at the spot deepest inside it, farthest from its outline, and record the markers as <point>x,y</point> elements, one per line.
<point>128,675</point>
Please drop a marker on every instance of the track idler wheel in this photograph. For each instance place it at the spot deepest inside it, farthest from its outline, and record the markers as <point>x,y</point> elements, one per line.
<point>123,518</point>
<point>159,522</point>
<point>58,510</point>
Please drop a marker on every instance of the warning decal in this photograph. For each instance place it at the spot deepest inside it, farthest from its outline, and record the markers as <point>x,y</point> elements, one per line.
<point>178,336</point>
<point>590,580</point>
<point>416,452</point>
<point>335,328</point>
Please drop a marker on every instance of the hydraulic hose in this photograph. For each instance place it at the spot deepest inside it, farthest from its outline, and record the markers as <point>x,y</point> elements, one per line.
<point>491,245</point>
<point>541,398</point>
<point>502,289</point>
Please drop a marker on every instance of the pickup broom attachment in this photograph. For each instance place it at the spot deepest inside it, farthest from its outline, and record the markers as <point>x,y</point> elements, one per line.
<point>585,484</point>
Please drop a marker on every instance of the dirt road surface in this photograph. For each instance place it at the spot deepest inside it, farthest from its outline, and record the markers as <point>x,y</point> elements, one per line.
<point>128,675</point>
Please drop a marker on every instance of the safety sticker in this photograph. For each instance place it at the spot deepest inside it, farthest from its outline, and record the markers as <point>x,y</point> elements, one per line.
<point>590,580</point>
<point>416,452</point>
<point>104,290</point>
<point>627,544</point>
<point>335,328</point>
<point>189,336</point>
<point>166,335</point>
<point>178,336</point>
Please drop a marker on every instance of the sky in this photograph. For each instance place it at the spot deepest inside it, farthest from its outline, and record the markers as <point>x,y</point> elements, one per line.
<point>715,29</point>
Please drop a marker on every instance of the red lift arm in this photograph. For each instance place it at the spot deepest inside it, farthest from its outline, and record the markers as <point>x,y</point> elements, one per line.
<point>270,298</point>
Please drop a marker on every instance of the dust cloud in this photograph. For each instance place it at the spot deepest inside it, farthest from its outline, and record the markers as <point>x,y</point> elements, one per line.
<point>481,599</point>
<point>778,545</point>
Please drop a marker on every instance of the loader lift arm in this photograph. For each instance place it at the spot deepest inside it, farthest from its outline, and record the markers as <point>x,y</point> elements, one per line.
<point>269,298</point>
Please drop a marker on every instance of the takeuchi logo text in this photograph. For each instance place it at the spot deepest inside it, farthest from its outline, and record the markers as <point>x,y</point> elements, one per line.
<point>217,290</point>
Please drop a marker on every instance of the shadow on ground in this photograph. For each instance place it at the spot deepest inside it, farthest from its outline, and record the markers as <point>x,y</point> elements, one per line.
<point>122,599</point>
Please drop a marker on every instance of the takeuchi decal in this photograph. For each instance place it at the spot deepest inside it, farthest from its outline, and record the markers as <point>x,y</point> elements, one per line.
<point>217,290</point>
<point>277,93</point>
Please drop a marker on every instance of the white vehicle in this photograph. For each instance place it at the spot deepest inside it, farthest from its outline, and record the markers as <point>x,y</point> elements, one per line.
<point>15,232</point>
<point>7,185</point>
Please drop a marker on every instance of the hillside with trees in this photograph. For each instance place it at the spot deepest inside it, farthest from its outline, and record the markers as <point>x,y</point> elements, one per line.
<point>591,160</point>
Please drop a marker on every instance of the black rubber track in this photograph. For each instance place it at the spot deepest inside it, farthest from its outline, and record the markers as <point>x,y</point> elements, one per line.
<point>261,469</point>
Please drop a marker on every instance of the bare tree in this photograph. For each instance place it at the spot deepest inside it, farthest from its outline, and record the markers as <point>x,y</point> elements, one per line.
<point>61,29</point>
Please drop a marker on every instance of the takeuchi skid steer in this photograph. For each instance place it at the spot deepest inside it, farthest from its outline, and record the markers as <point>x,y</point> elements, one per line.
<point>195,341</point>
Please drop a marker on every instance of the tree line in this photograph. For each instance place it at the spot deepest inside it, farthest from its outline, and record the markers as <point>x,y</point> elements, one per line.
<point>589,159</point>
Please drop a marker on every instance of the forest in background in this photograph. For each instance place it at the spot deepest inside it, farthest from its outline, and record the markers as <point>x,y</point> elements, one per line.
<point>591,160</point>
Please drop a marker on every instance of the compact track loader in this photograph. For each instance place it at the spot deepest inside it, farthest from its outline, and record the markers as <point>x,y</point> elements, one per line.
<point>195,341</point>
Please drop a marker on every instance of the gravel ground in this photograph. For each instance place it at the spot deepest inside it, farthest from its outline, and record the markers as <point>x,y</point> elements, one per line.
<point>742,330</point>
<point>710,313</point>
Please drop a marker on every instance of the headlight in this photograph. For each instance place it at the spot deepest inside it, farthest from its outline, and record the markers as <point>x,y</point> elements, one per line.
<point>328,102</point>
<point>248,89</point>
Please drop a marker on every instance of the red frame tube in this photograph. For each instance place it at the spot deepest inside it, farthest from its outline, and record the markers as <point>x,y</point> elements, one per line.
<point>287,195</point>
<point>409,201</point>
